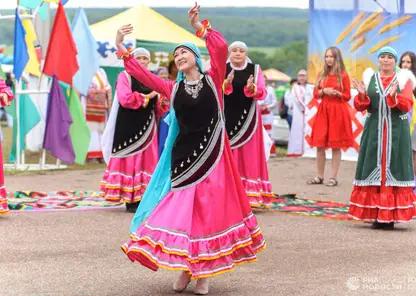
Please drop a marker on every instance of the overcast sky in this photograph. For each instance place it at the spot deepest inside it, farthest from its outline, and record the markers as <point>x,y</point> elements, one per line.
<point>170,3</point>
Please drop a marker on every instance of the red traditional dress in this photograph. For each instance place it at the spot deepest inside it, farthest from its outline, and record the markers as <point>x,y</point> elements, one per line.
<point>132,137</point>
<point>332,127</point>
<point>3,194</point>
<point>384,177</point>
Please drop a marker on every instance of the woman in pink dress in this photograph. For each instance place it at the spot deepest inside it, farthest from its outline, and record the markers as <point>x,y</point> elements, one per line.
<point>130,141</point>
<point>195,216</point>
<point>6,96</point>
<point>243,87</point>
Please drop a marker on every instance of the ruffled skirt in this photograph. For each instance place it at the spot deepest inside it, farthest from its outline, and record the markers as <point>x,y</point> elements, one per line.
<point>126,179</point>
<point>205,230</point>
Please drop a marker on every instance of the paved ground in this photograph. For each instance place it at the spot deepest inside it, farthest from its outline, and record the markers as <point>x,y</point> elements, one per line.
<point>78,253</point>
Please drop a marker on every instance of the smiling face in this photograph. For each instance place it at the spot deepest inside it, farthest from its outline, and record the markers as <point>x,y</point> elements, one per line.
<point>406,62</point>
<point>387,63</point>
<point>144,61</point>
<point>184,59</point>
<point>238,56</point>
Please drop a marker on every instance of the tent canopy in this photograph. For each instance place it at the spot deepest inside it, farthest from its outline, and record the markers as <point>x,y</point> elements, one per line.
<point>276,75</point>
<point>151,30</point>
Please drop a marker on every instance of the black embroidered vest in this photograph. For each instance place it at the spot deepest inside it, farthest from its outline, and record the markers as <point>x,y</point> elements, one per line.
<point>135,128</point>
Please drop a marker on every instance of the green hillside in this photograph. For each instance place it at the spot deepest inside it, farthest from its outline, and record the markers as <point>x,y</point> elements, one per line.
<point>258,26</point>
<point>276,36</point>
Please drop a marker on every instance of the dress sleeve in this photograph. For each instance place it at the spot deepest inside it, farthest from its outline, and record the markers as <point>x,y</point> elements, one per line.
<point>152,81</point>
<point>218,52</point>
<point>361,105</point>
<point>260,91</point>
<point>346,91</point>
<point>227,89</point>
<point>402,101</point>
<point>127,98</point>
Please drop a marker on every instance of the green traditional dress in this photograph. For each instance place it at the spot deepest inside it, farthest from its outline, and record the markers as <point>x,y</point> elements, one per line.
<point>384,180</point>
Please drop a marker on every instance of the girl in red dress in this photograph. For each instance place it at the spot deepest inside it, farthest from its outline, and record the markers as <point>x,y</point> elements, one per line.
<point>332,128</point>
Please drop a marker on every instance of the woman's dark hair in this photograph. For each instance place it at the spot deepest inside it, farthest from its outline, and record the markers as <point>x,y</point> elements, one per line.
<point>170,66</point>
<point>412,57</point>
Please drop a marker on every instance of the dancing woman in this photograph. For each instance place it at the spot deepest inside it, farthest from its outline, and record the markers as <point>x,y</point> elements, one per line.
<point>195,216</point>
<point>6,96</point>
<point>243,87</point>
<point>383,191</point>
<point>130,139</point>
<point>332,128</point>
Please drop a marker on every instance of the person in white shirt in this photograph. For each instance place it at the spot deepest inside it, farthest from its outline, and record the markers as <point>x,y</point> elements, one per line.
<point>266,106</point>
<point>300,95</point>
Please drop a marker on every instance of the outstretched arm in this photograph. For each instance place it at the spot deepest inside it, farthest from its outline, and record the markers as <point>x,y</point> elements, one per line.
<point>135,69</point>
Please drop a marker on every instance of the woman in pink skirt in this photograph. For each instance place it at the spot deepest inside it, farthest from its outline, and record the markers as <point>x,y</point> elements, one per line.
<point>195,216</point>
<point>243,87</point>
<point>130,141</point>
<point>6,96</point>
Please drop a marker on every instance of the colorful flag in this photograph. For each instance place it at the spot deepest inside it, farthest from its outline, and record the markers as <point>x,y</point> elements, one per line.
<point>29,117</point>
<point>61,58</point>
<point>79,131</point>
<point>20,54</point>
<point>33,4</point>
<point>58,121</point>
<point>33,66</point>
<point>88,56</point>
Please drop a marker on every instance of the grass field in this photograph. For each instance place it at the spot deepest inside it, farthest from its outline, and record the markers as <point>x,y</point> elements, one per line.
<point>34,157</point>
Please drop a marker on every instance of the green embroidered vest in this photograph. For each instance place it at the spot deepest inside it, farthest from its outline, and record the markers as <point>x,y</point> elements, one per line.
<point>399,161</point>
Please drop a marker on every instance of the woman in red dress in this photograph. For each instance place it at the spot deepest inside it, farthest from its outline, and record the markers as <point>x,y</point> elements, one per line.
<point>332,128</point>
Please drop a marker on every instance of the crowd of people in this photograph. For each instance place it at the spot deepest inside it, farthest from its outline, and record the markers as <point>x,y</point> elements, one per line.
<point>186,149</point>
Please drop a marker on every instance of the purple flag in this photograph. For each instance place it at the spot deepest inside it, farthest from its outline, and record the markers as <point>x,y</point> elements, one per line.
<point>58,120</point>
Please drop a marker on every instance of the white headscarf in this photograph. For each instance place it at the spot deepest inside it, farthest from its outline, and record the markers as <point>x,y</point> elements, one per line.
<point>239,44</point>
<point>141,52</point>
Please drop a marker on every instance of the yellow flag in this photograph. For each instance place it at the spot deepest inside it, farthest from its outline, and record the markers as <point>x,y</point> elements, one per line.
<point>52,1</point>
<point>33,66</point>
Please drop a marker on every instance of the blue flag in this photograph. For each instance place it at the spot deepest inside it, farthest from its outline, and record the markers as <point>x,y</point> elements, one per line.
<point>88,56</point>
<point>20,54</point>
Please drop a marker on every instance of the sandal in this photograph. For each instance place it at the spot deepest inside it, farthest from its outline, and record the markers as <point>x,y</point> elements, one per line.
<point>316,181</point>
<point>332,182</point>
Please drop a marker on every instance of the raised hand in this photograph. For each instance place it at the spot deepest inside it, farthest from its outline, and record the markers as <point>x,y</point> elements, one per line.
<point>230,77</point>
<point>193,14</point>
<point>152,95</point>
<point>359,86</point>
<point>123,31</point>
<point>250,83</point>
<point>393,89</point>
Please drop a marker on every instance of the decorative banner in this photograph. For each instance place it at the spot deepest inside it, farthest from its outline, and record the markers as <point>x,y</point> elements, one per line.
<point>359,28</point>
<point>107,50</point>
